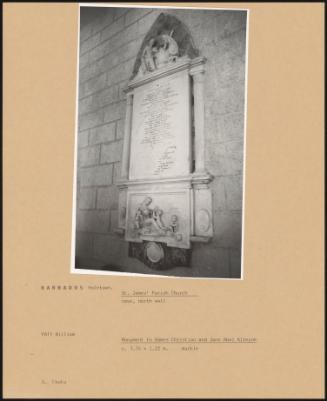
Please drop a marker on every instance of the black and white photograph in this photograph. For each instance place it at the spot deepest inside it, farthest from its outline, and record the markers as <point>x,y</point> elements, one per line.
<point>160,141</point>
<point>164,200</point>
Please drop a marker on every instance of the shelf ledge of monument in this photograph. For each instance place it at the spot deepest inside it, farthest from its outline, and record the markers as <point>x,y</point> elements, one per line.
<point>193,238</point>
<point>179,65</point>
<point>195,178</point>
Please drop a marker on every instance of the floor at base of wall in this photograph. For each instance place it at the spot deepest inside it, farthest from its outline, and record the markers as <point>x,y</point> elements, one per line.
<point>140,268</point>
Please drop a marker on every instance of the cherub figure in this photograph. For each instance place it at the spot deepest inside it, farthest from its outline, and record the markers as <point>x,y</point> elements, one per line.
<point>174,223</point>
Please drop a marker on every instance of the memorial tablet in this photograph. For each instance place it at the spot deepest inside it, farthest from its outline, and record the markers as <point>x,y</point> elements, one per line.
<point>161,128</point>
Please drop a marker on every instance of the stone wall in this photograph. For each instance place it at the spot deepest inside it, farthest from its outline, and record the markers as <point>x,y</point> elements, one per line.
<point>109,44</point>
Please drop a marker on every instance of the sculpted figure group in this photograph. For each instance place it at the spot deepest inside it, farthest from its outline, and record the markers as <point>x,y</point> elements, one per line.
<point>148,221</point>
<point>160,51</point>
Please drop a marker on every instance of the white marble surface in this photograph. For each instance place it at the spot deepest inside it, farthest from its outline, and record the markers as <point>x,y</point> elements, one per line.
<point>171,203</point>
<point>161,124</point>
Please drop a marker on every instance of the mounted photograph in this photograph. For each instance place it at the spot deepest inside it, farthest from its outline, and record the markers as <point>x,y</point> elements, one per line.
<point>160,142</point>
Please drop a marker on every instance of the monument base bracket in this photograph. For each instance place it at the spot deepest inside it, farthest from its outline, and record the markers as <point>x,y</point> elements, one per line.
<point>158,255</point>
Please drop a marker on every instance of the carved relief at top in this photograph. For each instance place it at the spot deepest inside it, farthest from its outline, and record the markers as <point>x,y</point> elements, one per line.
<point>160,51</point>
<point>167,41</point>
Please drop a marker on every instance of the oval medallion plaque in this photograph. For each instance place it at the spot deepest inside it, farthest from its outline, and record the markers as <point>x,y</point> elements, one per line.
<point>203,220</point>
<point>154,252</point>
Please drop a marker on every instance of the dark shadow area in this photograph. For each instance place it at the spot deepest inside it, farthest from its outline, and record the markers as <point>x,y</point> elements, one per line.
<point>88,14</point>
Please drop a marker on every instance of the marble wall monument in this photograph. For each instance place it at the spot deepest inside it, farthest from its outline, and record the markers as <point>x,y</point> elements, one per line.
<point>164,196</point>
